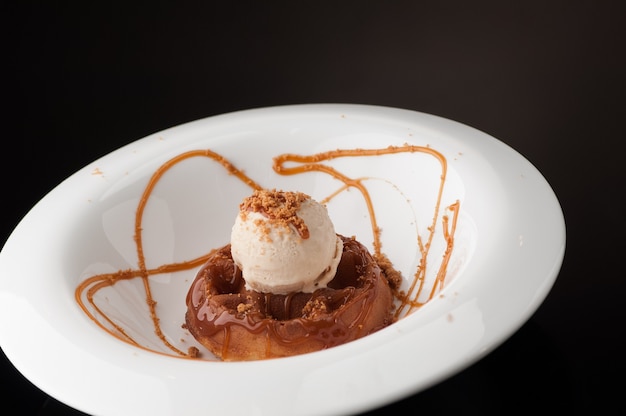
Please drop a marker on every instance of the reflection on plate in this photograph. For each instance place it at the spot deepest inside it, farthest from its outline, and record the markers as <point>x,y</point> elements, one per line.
<point>509,243</point>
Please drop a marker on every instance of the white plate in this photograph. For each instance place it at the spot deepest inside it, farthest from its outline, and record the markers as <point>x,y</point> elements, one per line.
<point>509,245</point>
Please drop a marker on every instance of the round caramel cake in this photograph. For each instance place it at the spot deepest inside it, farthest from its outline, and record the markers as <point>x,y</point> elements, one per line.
<point>237,324</point>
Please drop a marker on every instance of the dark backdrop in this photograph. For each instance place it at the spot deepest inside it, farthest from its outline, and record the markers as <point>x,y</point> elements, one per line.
<point>546,77</point>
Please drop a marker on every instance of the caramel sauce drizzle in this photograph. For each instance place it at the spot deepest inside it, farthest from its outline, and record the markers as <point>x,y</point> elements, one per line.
<point>408,300</point>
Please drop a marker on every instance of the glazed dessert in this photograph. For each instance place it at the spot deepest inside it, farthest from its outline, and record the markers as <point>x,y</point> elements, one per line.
<point>287,284</point>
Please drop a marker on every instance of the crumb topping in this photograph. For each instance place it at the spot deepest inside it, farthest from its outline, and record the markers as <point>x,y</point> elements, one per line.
<point>281,207</point>
<point>193,352</point>
<point>242,308</point>
<point>394,277</point>
<point>314,307</point>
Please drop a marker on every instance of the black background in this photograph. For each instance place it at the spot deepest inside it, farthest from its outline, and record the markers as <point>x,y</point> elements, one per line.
<point>546,77</point>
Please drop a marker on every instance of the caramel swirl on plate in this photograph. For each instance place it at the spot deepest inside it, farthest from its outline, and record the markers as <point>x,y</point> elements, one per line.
<point>406,301</point>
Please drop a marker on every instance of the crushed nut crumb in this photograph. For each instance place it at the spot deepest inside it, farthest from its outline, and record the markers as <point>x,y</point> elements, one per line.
<point>281,207</point>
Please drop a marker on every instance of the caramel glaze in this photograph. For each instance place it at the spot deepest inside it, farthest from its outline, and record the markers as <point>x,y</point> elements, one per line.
<point>238,324</point>
<point>407,301</point>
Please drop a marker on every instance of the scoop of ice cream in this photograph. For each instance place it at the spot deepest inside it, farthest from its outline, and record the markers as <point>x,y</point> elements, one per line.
<point>284,242</point>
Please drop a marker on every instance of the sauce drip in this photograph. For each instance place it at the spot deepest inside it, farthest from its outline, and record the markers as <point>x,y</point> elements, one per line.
<point>219,304</point>
<point>407,300</point>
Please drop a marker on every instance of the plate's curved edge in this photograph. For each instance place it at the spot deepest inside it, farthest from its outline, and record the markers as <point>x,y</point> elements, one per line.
<point>373,401</point>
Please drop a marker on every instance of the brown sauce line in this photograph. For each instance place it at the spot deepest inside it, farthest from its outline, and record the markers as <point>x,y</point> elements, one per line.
<point>408,300</point>
<point>448,231</point>
<point>109,279</point>
<point>308,163</point>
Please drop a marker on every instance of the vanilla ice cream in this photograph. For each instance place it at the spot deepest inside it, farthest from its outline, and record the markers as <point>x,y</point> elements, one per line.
<point>284,242</point>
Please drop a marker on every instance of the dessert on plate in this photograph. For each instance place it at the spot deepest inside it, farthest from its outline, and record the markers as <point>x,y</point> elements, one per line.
<point>287,284</point>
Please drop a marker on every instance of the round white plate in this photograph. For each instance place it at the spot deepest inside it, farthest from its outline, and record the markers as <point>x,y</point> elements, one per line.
<point>508,249</point>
